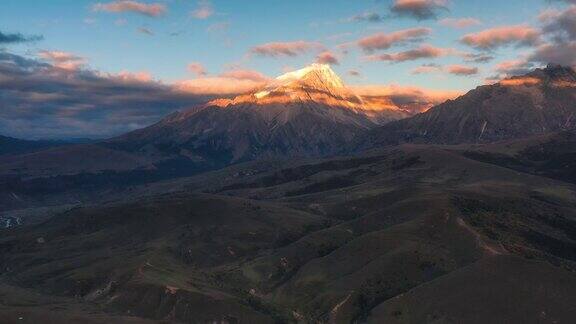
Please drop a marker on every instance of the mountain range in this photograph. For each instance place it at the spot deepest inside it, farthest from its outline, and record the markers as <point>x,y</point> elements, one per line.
<point>302,202</point>
<point>305,113</point>
<point>539,102</point>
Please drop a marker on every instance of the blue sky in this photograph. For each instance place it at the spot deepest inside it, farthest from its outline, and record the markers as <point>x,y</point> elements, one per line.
<point>112,40</point>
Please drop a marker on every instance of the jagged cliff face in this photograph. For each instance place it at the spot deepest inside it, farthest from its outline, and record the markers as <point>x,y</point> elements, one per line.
<point>540,102</point>
<point>305,113</point>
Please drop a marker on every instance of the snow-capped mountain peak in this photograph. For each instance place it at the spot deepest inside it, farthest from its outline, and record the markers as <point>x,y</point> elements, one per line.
<point>315,76</point>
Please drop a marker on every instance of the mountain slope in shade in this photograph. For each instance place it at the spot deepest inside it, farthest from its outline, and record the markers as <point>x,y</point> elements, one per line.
<point>540,102</point>
<point>308,112</point>
<point>9,145</point>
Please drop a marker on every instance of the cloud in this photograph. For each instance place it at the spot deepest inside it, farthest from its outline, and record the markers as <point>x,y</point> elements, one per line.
<point>556,53</point>
<point>150,10</point>
<point>197,68</point>
<point>204,10</point>
<point>229,83</point>
<point>240,74</point>
<point>276,49</point>
<point>477,58</point>
<point>522,81</point>
<point>354,73</point>
<point>41,100</point>
<point>367,17</point>
<point>427,68</point>
<point>134,76</point>
<point>381,41</point>
<point>418,9</point>
<point>218,86</point>
<point>560,27</point>
<point>460,23</point>
<point>145,31</point>
<point>489,39</point>
<point>424,51</point>
<point>63,60</point>
<point>16,38</point>
<point>413,99</point>
<point>327,58</point>
<point>560,23</point>
<point>512,68</point>
<point>462,70</point>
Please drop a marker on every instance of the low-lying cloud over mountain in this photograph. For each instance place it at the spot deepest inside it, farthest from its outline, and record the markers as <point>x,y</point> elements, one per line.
<point>56,99</point>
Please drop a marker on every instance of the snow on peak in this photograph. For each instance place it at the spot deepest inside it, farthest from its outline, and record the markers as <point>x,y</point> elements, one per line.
<point>320,71</point>
<point>316,76</point>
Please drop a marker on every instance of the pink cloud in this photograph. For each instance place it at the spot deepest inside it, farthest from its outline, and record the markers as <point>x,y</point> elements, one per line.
<point>204,10</point>
<point>327,58</point>
<point>381,41</point>
<point>424,51</point>
<point>426,69</point>
<point>462,70</point>
<point>63,60</point>
<point>521,35</point>
<point>197,69</point>
<point>143,77</point>
<point>150,10</point>
<point>460,23</point>
<point>276,49</point>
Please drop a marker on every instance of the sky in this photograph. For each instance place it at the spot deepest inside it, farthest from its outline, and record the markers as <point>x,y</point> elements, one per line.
<point>82,68</point>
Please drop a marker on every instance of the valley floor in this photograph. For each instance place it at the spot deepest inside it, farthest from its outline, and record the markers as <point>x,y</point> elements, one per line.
<point>409,234</point>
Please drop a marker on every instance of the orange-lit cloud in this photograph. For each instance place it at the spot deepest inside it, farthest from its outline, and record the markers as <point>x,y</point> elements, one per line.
<point>413,99</point>
<point>276,49</point>
<point>462,70</point>
<point>150,10</point>
<point>522,81</point>
<point>245,75</point>
<point>382,41</point>
<point>460,23</point>
<point>204,10</point>
<point>221,86</point>
<point>424,51</point>
<point>197,68</point>
<point>63,60</point>
<point>327,58</point>
<point>520,35</point>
